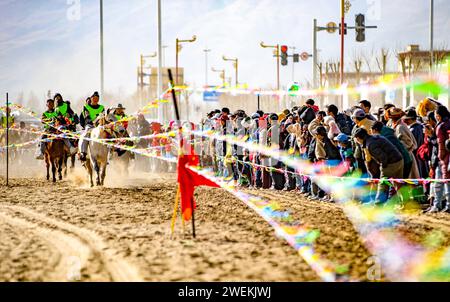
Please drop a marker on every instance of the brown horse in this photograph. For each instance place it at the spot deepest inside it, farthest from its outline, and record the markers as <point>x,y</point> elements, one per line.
<point>55,155</point>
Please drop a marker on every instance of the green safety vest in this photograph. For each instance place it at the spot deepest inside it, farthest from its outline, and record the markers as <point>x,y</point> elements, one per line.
<point>62,109</point>
<point>49,115</point>
<point>93,113</point>
<point>119,117</point>
<point>10,123</point>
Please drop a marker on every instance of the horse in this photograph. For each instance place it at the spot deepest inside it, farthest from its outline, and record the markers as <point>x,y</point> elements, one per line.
<point>55,155</point>
<point>98,153</point>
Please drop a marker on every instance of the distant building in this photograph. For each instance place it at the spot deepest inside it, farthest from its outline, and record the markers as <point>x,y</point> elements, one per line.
<point>416,61</point>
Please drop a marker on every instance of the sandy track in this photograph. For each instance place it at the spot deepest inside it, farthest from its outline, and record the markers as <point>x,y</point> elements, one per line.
<point>126,227</point>
<point>81,244</point>
<point>72,255</point>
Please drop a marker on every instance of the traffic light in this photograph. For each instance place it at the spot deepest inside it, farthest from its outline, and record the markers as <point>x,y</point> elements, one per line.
<point>345,28</point>
<point>296,58</point>
<point>360,28</point>
<point>284,55</point>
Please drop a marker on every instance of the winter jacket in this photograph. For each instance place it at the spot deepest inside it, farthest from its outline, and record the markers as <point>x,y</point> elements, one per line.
<point>382,150</point>
<point>389,134</point>
<point>331,151</point>
<point>344,123</point>
<point>307,114</point>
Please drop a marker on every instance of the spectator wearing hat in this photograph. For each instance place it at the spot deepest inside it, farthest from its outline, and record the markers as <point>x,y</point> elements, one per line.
<point>386,155</point>
<point>407,138</point>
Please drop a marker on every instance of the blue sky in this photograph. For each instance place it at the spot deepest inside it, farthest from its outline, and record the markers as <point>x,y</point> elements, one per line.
<point>41,49</point>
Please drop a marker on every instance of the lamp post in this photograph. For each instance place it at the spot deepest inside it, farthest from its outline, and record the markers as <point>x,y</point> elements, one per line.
<point>341,76</point>
<point>102,70</point>
<point>162,112</point>
<point>222,72</point>
<point>206,51</point>
<point>277,54</point>
<point>141,72</point>
<point>431,35</point>
<point>177,51</point>
<point>236,67</point>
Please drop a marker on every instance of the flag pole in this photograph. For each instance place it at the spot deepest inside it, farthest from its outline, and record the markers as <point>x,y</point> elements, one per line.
<point>177,115</point>
<point>175,210</point>
<point>7,139</point>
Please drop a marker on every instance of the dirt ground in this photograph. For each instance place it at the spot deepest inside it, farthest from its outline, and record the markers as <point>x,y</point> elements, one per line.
<point>69,232</point>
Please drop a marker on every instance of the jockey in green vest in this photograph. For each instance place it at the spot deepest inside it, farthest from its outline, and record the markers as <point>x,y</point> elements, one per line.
<point>8,124</point>
<point>47,119</point>
<point>92,109</point>
<point>63,109</point>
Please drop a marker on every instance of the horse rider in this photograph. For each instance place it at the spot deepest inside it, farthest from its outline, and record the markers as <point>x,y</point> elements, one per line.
<point>63,108</point>
<point>119,114</point>
<point>47,119</point>
<point>11,119</point>
<point>91,111</point>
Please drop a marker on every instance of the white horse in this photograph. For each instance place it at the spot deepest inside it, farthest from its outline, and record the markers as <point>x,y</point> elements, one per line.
<point>98,152</point>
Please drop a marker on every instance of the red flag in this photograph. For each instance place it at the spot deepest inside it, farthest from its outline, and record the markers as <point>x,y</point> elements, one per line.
<point>188,180</point>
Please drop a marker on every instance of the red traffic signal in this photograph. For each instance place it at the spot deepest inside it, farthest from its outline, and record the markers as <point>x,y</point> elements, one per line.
<point>284,55</point>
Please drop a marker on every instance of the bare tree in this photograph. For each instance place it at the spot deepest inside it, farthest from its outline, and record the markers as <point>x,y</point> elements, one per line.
<point>382,60</point>
<point>357,62</point>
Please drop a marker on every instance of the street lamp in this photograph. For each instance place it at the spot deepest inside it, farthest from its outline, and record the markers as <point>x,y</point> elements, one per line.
<point>177,50</point>
<point>102,66</point>
<point>206,51</point>
<point>277,54</point>
<point>236,66</point>
<point>143,57</point>
<point>222,72</point>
